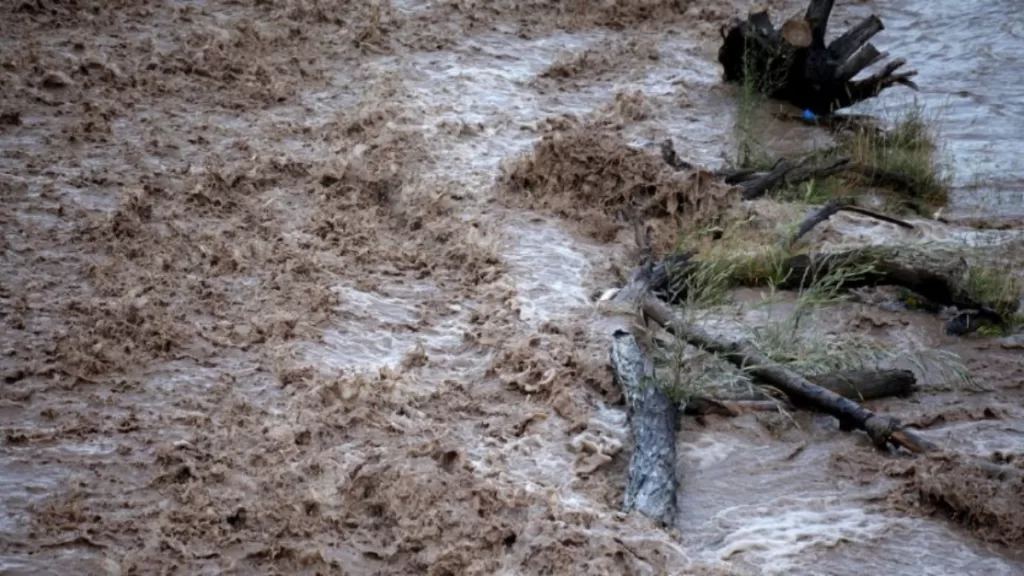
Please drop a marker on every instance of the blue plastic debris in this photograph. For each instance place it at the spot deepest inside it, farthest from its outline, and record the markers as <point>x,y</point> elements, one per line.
<point>808,115</point>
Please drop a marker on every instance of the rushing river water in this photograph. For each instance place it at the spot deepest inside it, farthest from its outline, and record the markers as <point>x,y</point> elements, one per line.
<point>969,59</point>
<point>751,501</point>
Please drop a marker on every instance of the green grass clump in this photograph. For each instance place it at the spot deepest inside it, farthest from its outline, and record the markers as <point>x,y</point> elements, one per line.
<point>751,151</point>
<point>995,287</point>
<point>909,152</point>
<point>905,160</point>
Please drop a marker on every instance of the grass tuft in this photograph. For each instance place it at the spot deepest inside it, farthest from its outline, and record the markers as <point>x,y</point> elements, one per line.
<point>907,154</point>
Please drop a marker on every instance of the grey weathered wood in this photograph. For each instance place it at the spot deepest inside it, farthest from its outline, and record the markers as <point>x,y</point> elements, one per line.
<point>651,480</point>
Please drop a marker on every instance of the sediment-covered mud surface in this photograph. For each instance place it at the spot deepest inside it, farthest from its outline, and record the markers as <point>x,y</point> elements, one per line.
<point>308,287</point>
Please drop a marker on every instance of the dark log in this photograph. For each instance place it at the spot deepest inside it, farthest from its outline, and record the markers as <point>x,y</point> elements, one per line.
<point>883,430</point>
<point>860,90</point>
<point>651,479</point>
<point>859,385</point>
<point>817,217</point>
<point>817,15</point>
<point>753,189</point>
<point>810,75</point>
<point>789,174</point>
<point>786,173</point>
<point>859,268</point>
<point>866,385</point>
<point>738,176</point>
<point>861,60</point>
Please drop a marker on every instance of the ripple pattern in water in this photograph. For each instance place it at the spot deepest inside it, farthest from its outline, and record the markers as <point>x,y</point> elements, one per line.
<point>968,55</point>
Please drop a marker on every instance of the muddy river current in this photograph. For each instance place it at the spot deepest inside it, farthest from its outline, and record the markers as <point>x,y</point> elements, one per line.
<point>267,308</point>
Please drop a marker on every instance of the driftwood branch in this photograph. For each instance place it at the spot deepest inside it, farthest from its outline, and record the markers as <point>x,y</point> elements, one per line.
<point>816,16</point>
<point>873,266</point>
<point>867,56</point>
<point>787,173</point>
<point>883,430</point>
<point>651,480</point>
<point>842,48</point>
<point>831,208</point>
<point>756,184</point>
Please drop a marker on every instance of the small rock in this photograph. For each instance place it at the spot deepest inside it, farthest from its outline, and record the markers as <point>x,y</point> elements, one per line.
<point>56,79</point>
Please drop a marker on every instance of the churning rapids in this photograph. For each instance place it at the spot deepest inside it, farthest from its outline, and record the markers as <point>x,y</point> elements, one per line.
<point>266,311</point>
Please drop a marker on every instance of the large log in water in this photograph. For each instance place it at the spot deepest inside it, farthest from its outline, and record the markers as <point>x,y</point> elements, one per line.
<point>883,430</point>
<point>794,64</point>
<point>651,480</point>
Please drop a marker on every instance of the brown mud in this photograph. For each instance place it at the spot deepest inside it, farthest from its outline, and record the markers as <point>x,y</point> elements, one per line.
<point>304,287</point>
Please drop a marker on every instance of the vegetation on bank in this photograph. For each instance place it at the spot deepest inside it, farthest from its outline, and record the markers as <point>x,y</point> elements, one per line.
<point>903,164</point>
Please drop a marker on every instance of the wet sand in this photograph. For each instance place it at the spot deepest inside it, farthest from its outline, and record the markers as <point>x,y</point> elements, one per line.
<point>274,301</point>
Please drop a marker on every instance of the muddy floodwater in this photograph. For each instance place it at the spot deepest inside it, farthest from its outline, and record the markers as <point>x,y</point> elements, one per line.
<point>970,57</point>
<point>268,308</point>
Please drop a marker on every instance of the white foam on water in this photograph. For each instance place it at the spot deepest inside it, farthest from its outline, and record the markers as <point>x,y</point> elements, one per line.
<point>777,534</point>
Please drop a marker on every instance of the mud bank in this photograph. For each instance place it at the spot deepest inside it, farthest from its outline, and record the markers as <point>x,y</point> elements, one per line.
<point>305,287</point>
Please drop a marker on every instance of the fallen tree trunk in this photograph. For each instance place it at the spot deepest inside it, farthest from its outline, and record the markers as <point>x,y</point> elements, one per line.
<point>878,266</point>
<point>883,430</point>
<point>757,184</point>
<point>794,64</point>
<point>939,283</point>
<point>651,480</point>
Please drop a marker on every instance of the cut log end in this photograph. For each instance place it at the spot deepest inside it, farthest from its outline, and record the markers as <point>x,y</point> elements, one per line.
<point>797,33</point>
